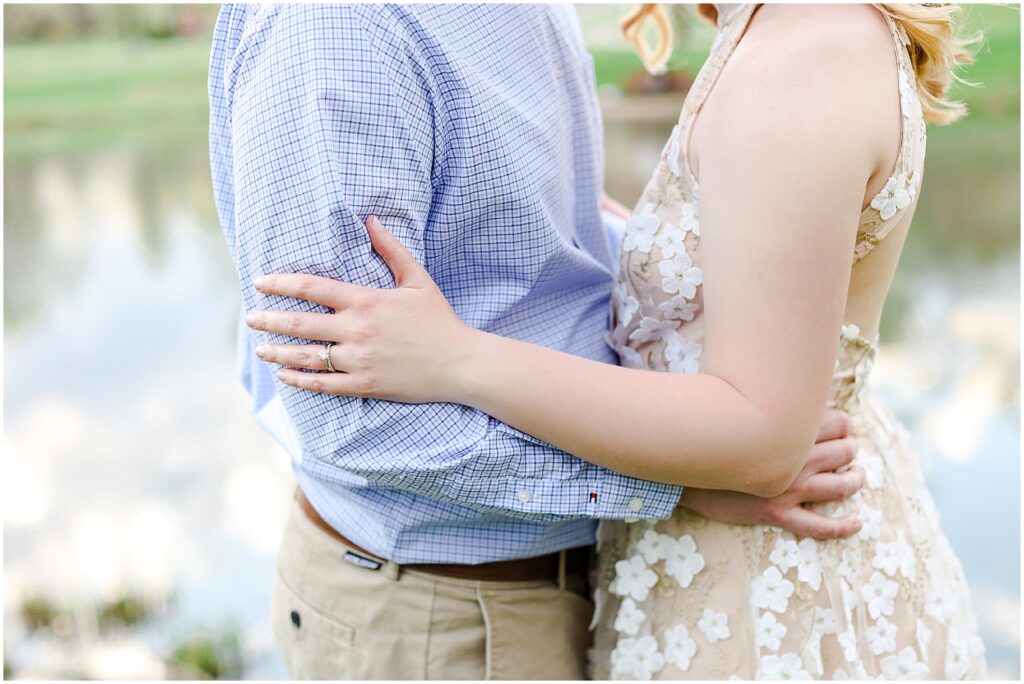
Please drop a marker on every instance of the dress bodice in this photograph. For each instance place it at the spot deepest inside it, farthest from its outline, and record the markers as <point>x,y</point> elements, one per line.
<point>657,303</point>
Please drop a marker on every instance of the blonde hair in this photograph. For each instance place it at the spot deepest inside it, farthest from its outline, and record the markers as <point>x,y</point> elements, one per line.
<point>937,49</point>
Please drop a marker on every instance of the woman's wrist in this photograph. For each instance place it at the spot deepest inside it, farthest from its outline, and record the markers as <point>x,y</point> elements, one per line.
<point>470,350</point>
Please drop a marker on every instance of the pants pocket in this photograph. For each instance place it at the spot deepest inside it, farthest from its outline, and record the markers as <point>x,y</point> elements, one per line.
<point>312,644</point>
<point>536,634</point>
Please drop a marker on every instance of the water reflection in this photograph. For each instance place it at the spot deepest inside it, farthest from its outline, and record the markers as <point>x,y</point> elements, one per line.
<point>131,461</point>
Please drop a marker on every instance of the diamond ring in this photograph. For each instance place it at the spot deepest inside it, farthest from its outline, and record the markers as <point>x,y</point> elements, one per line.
<point>325,356</point>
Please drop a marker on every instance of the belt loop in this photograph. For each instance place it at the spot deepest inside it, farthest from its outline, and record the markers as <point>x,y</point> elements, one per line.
<point>392,570</point>
<point>562,558</point>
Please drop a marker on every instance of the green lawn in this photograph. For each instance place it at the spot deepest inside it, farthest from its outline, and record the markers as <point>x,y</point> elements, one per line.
<point>62,98</point>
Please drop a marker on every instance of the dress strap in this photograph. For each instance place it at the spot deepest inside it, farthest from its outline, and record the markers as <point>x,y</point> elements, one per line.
<point>731,29</point>
<point>890,205</point>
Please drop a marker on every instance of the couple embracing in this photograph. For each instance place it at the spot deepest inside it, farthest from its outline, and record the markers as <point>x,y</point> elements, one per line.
<point>502,476</point>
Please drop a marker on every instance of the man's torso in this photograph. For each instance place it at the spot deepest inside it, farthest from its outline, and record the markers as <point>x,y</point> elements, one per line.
<point>502,102</point>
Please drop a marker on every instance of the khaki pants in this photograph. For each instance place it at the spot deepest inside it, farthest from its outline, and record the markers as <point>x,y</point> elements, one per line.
<point>335,620</point>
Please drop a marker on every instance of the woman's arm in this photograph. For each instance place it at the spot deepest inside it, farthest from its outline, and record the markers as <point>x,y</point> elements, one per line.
<point>782,186</point>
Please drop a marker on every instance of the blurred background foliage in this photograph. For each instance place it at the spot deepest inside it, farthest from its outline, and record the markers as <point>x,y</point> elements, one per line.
<point>142,505</point>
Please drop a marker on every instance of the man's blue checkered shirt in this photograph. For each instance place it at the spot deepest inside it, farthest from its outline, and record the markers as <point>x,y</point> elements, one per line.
<point>473,132</point>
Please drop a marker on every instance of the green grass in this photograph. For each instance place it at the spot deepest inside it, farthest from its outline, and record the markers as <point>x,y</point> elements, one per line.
<point>64,98</point>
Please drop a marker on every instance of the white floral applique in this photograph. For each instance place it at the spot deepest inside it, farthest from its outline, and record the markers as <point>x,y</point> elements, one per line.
<point>808,569</point>
<point>874,468</point>
<point>714,625</point>
<point>897,194</point>
<point>655,546</point>
<point>770,632</point>
<point>849,596</point>
<point>629,618</point>
<point>652,330</point>
<point>640,230</point>
<point>672,153</point>
<point>785,667</point>
<point>957,656</point>
<point>878,594</point>
<point>678,309</point>
<point>939,604</point>
<point>690,220</point>
<point>923,636</point>
<point>811,656</point>
<point>871,524</point>
<point>771,590</point>
<point>682,355</point>
<point>679,276</point>
<point>636,658</point>
<point>848,641</point>
<point>882,637</point>
<point>908,559</point>
<point>633,578</point>
<point>684,562</point>
<point>904,666</point>
<point>907,94</point>
<point>849,333</point>
<point>786,554</point>
<point>824,624</point>
<point>671,241</point>
<point>680,647</point>
<point>626,305</point>
<point>824,621</point>
<point>897,556</point>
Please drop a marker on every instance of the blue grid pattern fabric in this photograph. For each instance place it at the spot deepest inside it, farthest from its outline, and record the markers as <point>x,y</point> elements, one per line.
<point>473,132</point>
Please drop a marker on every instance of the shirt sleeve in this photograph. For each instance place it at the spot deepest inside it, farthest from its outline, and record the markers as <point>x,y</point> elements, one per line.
<point>331,121</point>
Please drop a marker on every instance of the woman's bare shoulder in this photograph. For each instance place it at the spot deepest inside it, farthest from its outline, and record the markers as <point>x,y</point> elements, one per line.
<point>827,65</point>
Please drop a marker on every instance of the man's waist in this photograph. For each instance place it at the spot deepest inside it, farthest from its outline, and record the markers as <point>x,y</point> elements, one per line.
<point>407,528</point>
<point>547,566</point>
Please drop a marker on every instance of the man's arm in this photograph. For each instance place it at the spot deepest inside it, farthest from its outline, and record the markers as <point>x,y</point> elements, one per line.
<point>328,125</point>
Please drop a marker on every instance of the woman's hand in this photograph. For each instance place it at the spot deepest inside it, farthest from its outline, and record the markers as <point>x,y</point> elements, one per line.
<point>405,344</point>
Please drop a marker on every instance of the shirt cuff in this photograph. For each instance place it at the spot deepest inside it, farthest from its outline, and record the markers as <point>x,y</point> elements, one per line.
<point>629,498</point>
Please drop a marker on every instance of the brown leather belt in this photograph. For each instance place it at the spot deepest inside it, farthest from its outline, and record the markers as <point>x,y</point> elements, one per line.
<point>519,570</point>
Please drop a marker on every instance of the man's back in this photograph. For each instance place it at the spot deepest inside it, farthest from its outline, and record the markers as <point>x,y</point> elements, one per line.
<point>473,132</point>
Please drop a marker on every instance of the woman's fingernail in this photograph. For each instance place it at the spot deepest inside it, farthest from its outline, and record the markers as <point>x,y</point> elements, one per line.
<point>250,319</point>
<point>258,283</point>
<point>260,350</point>
<point>282,376</point>
<point>372,222</point>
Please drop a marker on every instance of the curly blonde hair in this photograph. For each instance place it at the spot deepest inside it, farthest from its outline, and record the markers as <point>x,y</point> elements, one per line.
<point>937,47</point>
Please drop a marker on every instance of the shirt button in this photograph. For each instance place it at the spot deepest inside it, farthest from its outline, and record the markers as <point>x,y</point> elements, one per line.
<point>636,504</point>
<point>524,496</point>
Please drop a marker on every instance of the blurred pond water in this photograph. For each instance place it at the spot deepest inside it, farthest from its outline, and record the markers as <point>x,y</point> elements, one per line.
<point>131,463</point>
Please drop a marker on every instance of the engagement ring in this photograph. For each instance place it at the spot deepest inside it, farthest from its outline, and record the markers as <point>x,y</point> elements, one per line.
<point>325,356</point>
